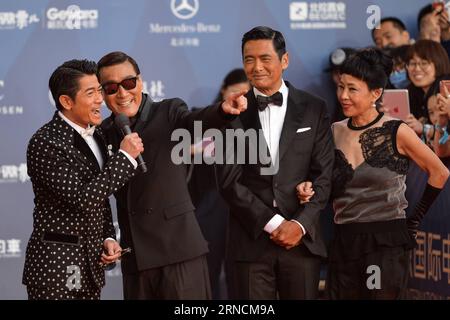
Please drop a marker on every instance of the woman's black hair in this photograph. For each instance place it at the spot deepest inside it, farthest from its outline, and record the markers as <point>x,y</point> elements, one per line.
<point>370,65</point>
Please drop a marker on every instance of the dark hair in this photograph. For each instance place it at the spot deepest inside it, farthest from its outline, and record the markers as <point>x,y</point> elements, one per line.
<point>370,65</point>
<point>65,79</point>
<point>266,33</point>
<point>422,13</point>
<point>397,23</point>
<point>233,77</point>
<point>431,51</point>
<point>398,54</point>
<point>116,57</point>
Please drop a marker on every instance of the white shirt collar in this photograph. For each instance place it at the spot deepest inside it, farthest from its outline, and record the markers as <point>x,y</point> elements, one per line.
<point>72,124</point>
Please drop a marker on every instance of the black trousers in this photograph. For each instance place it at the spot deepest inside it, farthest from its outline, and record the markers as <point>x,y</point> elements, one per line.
<point>280,273</point>
<point>369,260</point>
<point>187,280</point>
<point>44,293</point>
<point>354,279</point>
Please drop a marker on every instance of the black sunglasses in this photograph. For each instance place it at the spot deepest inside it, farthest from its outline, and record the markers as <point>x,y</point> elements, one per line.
<point>112,87</point>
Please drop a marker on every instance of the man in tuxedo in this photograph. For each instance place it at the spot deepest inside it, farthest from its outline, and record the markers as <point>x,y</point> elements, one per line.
<point>73,236</point>
<point>155,211</point>
<point>275,244</point>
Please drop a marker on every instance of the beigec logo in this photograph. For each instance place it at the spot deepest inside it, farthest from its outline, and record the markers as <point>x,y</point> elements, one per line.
<point>318,15</point>
<point>298,11</point>
<point>72,18</point>
<point>184,9</point>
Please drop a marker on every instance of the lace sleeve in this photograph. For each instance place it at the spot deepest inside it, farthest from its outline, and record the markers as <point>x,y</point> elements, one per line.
<point>379,147</point>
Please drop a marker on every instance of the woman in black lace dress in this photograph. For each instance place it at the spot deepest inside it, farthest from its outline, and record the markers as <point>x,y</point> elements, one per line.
<point>369,256</point>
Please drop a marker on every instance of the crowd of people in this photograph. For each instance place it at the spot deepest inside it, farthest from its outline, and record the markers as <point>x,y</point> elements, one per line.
<point>419,66</point>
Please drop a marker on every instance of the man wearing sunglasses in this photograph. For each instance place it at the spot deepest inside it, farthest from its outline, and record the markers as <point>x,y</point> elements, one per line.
<point>155,212</point>
<point>73,176</point>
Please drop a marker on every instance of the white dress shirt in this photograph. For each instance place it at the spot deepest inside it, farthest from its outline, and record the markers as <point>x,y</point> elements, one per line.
<point>93,144</point>
<point>272,120</point>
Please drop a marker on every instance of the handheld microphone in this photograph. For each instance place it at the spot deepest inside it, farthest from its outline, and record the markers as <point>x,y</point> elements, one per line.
<point>123,123</point>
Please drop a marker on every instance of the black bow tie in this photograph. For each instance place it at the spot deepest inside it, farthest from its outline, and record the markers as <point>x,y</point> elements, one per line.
<point>263,102</point>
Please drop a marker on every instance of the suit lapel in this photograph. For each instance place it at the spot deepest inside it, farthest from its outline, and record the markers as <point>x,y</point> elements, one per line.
<point>81,145</point>
<point>78,147</point>
<point>292,119</point>
<point>250,120</point>
<point>145,115</point>
<point>101,142</point>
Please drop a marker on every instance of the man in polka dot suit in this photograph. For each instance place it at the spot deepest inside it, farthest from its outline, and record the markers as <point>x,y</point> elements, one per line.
<point>155,211</point>
<point>72,175</point>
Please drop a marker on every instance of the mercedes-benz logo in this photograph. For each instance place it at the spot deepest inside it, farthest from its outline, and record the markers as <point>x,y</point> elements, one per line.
<point>184,9</point>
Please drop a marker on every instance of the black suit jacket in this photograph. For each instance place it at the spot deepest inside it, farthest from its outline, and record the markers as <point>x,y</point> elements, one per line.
<point>306,155</point>
<point>72,216</point>
<point>155,211</point>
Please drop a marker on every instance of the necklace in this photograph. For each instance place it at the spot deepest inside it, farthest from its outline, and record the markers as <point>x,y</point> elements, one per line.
<point>352,127</point>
